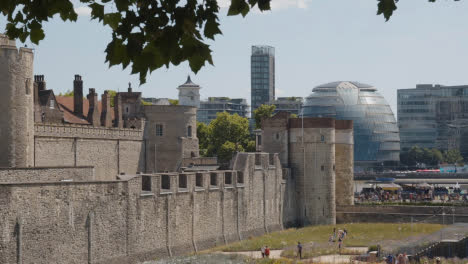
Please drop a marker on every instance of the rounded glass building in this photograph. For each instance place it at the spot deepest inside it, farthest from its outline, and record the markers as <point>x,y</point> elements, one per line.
<point>376,137</point>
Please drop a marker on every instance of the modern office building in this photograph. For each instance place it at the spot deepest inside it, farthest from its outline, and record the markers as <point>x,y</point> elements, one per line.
<point>288,104</point>
<point>434,116</point>
<point>376,137</point>
<point>209,108</point>
<point>262,75</point>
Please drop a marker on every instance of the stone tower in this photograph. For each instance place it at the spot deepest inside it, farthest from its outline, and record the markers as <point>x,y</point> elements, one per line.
<point>16,105</point>
<point>344,155</point>
<point>189,93</point>
<point>312,160</point>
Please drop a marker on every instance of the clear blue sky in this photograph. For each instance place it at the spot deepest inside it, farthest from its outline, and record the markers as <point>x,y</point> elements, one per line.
<point>316,42</point>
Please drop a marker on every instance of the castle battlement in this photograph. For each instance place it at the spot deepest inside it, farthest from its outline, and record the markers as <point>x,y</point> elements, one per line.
<point>77,131</point>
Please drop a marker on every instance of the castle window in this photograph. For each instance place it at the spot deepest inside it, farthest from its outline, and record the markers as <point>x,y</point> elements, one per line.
<point>322,138</point>
<point>322,168</point>
<point>214,179</point>
<point>277,136</point>
<point>191,98</point>
<point>333,167</point>
<point>182,181</point>
<point>240,177</point>
<point>52,104</point>
<point>199,180</point>
<point>165,182</point>
<point>189,131</point>
<point>228,178</point>
<point>146,183</point>
<point>159,130</point>
<point>126,109</point>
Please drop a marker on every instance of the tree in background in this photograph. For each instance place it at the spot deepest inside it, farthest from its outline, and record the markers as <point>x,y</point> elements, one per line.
<point>148,34</point>
<point>174,101</point>
<point>263,112</point>
<point>203,137</point>
<point>453,156</point>
<point>224,136</point>
<point>432,157</point>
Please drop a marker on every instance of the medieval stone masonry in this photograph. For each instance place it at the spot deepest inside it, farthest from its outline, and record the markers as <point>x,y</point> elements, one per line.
<point>84,180</point>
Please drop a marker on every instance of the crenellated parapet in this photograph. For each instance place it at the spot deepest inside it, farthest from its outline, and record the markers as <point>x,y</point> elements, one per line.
<point>77,131</point>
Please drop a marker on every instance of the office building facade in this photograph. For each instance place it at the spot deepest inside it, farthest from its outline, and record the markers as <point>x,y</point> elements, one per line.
<point>376,137</point>
<point>262,75</point>
<point>434,116</point>
<point>209,108</point>
<point>292,105</point>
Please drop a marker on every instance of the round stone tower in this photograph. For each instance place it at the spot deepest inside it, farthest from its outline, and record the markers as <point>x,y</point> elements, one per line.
<point>189,93</point>
<point>312,160</point>
<point>16,105</point>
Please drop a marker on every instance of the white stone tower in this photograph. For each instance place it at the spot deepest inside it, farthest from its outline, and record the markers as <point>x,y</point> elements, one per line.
<point>189,93</point>
<point>16,105</point>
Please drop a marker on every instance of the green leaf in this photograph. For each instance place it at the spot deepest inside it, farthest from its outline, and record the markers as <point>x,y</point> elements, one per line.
<point>112,19</point>
<point>386,7</point>
<point>36,32</point>
<point>238,7</point>
<point>211,29</point>
<point>97,11</point>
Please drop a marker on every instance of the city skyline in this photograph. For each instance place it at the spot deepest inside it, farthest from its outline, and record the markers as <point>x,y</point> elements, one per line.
<point>364,49</point>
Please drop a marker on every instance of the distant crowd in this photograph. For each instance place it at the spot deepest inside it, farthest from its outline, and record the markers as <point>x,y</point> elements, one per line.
<point>436,195</point>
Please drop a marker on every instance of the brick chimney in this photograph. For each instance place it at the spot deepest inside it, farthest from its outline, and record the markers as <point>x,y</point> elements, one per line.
<point>40,81</point>
<point>106,118</point>
<point>118,111</point>
<point>78,95</point>
<point>93,112</point>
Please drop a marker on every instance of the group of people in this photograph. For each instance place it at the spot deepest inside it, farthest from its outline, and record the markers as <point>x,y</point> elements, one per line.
<point>338,237</point>
<point>265,250</point>
<point>398,259</point>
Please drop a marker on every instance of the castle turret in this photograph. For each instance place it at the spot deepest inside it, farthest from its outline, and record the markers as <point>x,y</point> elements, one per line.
<point>189,93</point>
<point>78,95</point>
<point>16,105</point>
<point>106,118</point>
<point>94,118</point>
<point>118,122</point>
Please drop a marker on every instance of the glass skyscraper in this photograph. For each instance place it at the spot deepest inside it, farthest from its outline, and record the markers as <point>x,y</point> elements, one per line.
<point>262,75</point>
<point>434,116</point>
<point>376,137</point>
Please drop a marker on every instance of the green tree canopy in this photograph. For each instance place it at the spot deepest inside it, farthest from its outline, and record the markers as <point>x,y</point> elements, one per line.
<point>431,157</point>
<point>224,136</point>
<point>148,34</point>
<point>174,101</point>
<point>263,112</point>
<point>453,156</point>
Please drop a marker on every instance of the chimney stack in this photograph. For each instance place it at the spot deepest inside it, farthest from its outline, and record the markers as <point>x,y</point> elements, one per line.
<point>106,118</point>
<point>118,111</point>
<point>93,111</point>
<point>40,81</point>
<point>78,95</point>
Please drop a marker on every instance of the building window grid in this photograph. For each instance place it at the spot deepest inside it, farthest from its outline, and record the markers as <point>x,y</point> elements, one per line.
<point>159,130</point>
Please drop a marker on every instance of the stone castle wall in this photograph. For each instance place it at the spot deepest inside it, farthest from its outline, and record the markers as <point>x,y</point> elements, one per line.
<point>344,162</point>
<point>46,174</point>
<point>110,151</point>
<point>136,218</point>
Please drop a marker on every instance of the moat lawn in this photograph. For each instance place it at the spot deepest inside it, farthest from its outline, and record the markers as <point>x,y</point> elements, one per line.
<point>359,235</point>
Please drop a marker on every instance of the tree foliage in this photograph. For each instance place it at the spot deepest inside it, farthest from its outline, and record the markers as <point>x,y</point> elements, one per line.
<point>174,101</point>
<point>148,34</point>
<point>224,136</point>
<point>263,112</point>
<point>432,157</point>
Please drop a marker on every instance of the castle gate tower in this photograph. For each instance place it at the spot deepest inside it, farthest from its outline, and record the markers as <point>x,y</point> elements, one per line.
<point>16,105</point>
<point>312,160</point>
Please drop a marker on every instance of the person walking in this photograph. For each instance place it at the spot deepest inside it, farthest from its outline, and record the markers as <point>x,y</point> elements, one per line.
<point>299,250</point>
<point>340,242</point>
<point>267,252</point>
<point>262,250</point>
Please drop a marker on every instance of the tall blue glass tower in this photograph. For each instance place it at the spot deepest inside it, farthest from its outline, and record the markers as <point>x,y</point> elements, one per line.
<point>262,76</point>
